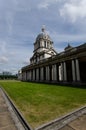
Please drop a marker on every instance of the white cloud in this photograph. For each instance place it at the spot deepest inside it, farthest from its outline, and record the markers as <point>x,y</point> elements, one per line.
<point>9,21</point>
<point>46,3</point>
<point>13,70</point>
<point>3,46</point>
<point>26,62</point>
<point>61,38</point>
<point>74,10</point>
<point>3,59</point>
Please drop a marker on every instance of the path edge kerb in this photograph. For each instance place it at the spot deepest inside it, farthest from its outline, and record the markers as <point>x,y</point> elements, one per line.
<point>18,118</point>
<point>64,120</point>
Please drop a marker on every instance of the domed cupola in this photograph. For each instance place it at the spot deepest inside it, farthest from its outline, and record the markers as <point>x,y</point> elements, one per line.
<point>43,47</point>
<point>43,41</point>
<point>43,35</point>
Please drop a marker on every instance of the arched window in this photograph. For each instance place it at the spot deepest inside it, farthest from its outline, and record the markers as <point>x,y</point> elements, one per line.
<point>47,44</point>
<point>44,43</point>
<point>52,53</point>
<point>38,44</point>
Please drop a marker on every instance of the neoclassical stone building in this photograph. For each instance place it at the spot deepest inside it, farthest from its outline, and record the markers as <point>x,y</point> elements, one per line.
<point>46,65</point>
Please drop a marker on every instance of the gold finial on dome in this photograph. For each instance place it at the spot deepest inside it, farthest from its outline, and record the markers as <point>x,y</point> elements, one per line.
<point>43,28</point>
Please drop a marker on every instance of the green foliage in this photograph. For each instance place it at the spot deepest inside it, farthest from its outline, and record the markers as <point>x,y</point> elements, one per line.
<point>8,77</point>
<point>41,103</point>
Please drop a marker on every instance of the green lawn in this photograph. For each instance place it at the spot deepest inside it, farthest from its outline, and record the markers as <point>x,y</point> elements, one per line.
<point>40,103</point>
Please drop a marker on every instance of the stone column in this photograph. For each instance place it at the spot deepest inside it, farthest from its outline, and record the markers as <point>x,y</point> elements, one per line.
<point>27,75</point>
<point>41,74</point>
<point>46,73</point>
<point>33,74</point>
<point>77,70</point>
<point>54,72</point>
<point>23,76</point>
<point>73,71</point>
<point>57,72</point>
<point>50,73</point>
<point>62,73</point>
<point>65,72</point>
<point>37,74</point>
<point>30,74</point>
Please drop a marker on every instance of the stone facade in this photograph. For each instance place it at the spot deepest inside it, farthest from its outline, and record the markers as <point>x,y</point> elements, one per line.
<point>48,66</point>
<point>43,47</point>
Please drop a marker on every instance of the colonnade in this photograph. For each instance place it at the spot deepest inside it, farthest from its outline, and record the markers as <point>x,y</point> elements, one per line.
<point>57,72</point>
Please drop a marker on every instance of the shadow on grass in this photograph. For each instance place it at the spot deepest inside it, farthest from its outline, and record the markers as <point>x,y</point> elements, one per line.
<point>62,84</point>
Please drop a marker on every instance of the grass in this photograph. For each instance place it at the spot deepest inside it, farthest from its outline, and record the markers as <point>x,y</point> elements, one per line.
<point>41,103</point>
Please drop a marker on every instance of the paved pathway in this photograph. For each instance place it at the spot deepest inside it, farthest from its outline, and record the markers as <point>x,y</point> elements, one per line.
<point>75,120</point>
<point>6,121</point>
<point>78,124</point>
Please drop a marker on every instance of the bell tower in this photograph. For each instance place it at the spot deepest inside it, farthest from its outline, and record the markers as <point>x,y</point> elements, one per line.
<point>43,47</point>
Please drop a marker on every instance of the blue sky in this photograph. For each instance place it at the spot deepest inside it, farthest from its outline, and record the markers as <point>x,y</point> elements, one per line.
<point>21,21</point>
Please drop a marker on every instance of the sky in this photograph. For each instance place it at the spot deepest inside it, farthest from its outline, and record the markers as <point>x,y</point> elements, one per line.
<point>21,21</point>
